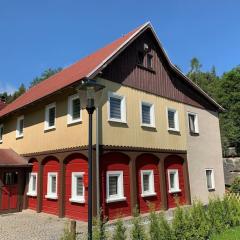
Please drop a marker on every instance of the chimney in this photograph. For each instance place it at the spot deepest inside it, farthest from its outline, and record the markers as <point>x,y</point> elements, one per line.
<point>3,103</point>
<point>3,99</point>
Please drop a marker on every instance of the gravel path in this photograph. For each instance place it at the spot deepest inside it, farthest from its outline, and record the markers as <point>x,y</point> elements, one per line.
<point>29,225</point>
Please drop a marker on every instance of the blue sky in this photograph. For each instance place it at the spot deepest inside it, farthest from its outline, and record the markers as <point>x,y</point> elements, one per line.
<point>36,35</point>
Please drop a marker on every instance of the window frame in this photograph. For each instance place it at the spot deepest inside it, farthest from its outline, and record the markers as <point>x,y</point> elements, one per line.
<point>151,191</point>
<point>212,179</point>
<point>176,189</point>
<point>196,125</point>
<point>50,194</point>
<point>46,122</point>
<point>152,114</point>
<point>74,198</point>
<point>30,184</point>
<point>1,133</point>
<point>149,56</point>
<point>176,120</point>
<point>120,184</point>
<point>122,107</point>
<point>18,134</point>
<point>70,119</point>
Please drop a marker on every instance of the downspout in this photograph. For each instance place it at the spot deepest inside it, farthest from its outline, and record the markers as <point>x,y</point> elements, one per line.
<point>97,160</point>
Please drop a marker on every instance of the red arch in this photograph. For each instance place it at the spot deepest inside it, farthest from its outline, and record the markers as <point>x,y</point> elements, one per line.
<point>148,162</point>
<point>175,162</point>
<point>115,161</point>
<point>75,163</point>
<point>32,200</point>
<point>50,164</point>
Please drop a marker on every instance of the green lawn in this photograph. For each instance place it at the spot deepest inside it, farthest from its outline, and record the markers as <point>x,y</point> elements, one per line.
<point>231,234</point>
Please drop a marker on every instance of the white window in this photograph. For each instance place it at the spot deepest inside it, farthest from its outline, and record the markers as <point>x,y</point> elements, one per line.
<point>147,114</point>
<point>32,184</point>
<point>172,116</point>
<point>210,179</point>
<point>20,127</point>
<point>74,109</point>
<point>147,179</point>
<point>77,188</point>
<point>52,185</point>
<point>115,191</point>
<point>116,108</point>
<point>50,116</point>
<point>193,122</point>
<point>173,181</point>
<point>1,133</point>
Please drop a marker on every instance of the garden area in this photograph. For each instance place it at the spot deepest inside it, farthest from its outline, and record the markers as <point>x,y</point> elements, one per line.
<point>220,219</point>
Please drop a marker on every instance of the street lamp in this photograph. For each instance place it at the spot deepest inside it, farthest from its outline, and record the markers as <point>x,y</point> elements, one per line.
<point>92,88</point>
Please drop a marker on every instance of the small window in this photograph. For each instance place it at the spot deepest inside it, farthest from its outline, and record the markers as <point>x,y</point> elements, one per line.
<point>10,178</point>
<point>52,185</point>
<point>147,114</point>
<point>210,179</point>
<point>116,108</point>
<point>50,116</point>
<point>193,123</point>
<point>77,187</point>
<point>20,127</point>
<point>115,190</point>
<point>173,180</point>
<point>74,109</point>
<point>32,184</point>
<point>1,133</point>
<point>173,124</point>
<point>140,58</point>
<point>147,177</point>
<point>149,61</point>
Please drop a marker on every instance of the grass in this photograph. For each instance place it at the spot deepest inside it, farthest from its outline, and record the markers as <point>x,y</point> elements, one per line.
<point>230,234</point>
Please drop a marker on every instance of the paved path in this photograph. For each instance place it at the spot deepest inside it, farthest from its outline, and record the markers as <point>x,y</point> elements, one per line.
<point>28,225</point>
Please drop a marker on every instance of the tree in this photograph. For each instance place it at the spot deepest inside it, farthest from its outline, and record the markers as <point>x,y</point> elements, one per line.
<point>45,75</point>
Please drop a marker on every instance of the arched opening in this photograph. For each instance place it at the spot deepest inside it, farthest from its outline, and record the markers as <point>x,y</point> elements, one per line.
<point>76,194</point>
<point>33,179</point>
<point>175,181</point>
<point>115,185</point>
<point>51,180</point>
<point>148,182</point>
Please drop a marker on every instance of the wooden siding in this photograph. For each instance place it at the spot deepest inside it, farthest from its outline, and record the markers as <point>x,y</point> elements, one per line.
<point>161,81</point>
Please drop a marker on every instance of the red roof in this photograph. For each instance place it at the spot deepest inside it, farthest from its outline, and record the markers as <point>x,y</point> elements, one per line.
<point>69,75</point>
<point>10,158</point>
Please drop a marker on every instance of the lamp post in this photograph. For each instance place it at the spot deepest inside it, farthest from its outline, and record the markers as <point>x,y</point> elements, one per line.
<point>91,87</point>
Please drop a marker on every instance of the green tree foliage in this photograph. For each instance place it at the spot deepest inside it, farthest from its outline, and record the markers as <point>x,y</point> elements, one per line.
<point>235,187</point>
<point>138,232</point>
<point>45,75</point>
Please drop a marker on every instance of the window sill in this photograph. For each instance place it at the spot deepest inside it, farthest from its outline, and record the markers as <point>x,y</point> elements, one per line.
<point>32,194</point>
<point>19,137</point>
<point>146,68</point>
<point>74,200</point>
<point>211,189</point>
<point>148,194</point>
<point>148,126</point>
<point>175,191</point>
<point>1,141</point>
<point>113,120</point>
<point>120,199</point>
<point>194,133</point>
<point>51,197</point>
<point>71,123</point>
<point>49,129</point>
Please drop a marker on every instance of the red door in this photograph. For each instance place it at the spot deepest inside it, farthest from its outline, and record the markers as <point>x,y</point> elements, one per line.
<point>9,191</point>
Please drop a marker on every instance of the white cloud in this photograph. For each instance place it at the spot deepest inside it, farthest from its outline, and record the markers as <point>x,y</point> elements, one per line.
<point>6,87</point>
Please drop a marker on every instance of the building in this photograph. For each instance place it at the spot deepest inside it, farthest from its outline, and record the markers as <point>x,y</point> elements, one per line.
<point>156,140</point>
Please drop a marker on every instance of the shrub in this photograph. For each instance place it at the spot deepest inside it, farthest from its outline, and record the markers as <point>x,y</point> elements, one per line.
<point>99,228</point>
<point>120,230</point>
<point>138,232</point>
<point>165,229</point>
<point>235,187</point>
<point>154,228</point>
<point>67,235</point>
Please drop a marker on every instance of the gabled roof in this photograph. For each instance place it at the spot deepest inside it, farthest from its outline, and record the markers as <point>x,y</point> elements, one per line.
<point>89,67</point>
<point>10,158</point>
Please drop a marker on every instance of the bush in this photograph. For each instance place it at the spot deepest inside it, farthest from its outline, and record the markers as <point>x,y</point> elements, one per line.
<point>235,187</point>
<point>154,228</point>
<point>119,231</point>
<point>67,235</point>
<point>165,229</point>
<point>99,229</point>
<point>138,232</point>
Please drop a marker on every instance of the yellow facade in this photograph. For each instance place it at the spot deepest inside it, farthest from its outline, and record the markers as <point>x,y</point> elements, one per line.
<point>117,134</point>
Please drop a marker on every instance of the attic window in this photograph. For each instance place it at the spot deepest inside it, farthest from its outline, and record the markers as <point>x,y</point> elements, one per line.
<point>149,61</point>
<point>140,58</point>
